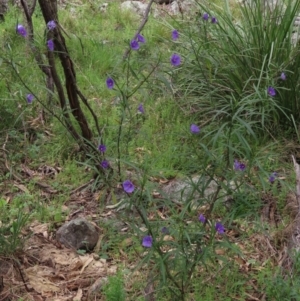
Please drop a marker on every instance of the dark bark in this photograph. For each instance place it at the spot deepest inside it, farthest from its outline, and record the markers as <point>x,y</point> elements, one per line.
<point>49,10</point>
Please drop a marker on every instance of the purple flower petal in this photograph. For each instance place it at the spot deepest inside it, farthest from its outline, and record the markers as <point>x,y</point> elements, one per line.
<point>50,45</point>
<point>141,108</point>
<point>110,83</point>
<point>51,25</point>
<point>220,228</point>
<point>239,166</point>
<point>147,241</point>
<point>283,76</point>
<point>175,60</point>
<point>214,20</point>
<point>242,166</point>
<point>134,44</point>
<point>202,218</point>
<point>236,165</point>
<point>165,230</point>
<point>104,164</point>
<point>194,129</point>
<point>102,148</point>
<point>21,30</point>
<point>29,98</point>
<point>205,16</point>
<point>128,186</point>
<point>141,39</point>
<point>175,35</point>
<point>272,177</point>
<point>271,91</point>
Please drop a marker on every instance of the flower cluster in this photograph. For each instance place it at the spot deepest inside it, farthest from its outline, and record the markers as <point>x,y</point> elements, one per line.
<point>147,240</point>
<point>135,43</point>
<point>206,17</point>
<point>218,226</point>
<point>271,90</point>
<point>102,149</point>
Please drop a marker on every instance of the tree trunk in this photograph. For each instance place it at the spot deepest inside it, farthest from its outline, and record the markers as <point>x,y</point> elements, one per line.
<point>49,10</point>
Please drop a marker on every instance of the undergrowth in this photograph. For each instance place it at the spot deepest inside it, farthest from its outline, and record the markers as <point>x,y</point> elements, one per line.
<point>206,105</point>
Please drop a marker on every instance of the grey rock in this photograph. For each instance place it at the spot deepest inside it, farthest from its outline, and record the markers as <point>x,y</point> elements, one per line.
<point>195,190</point>
<point>78,234</point>
<point>175,9</point>
<point>183,190</point>
<point>136,7</point>
<point>182,7</point>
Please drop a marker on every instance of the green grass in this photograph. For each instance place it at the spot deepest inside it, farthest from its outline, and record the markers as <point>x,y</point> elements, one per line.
<point>221,86</point>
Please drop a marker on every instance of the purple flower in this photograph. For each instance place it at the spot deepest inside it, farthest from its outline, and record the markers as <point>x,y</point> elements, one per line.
<point>29,98</point>
<point>104,164</point>
<point>175,59</point>
<point>202,218</point>
<point>236,165</point>
<point>271,91</point>
<point>21,30</point>
<point>141,108</point>
<point>283,76</point>
<point>242,166</point>
<point>141,39</point>
<point>128,186</point>
<point>102,148</point>
<point>239,165</point>
<point>165,230</point>
<point>147,241</point>
<point>134,44</point>
<point>220,228</point>
<point>214,20</point>
<point>110,83</point>
<point>205,16</point>
<point>194,129</point>
<point>50,45</point>
<point>272,177</point>
<point>51,25</point>
<point>175,35</point>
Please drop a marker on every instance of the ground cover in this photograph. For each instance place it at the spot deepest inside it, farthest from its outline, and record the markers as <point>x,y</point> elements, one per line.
<point>233,243</point>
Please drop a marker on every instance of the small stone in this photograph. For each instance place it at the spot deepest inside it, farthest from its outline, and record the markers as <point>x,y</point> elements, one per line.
<point>78,234</point>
